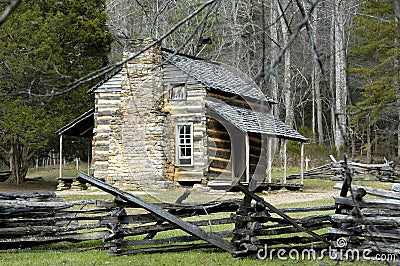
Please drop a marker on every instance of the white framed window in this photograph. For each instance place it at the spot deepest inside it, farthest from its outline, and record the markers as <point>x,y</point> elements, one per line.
<point>177,92</point>
<point>184,144</point>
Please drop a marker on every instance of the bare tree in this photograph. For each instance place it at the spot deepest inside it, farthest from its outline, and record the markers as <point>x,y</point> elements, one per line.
<point>397,66</point>
<point>340,74</point>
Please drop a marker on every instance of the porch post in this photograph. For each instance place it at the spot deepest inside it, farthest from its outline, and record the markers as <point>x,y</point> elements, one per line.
<point>88,161</point>
<point>284,161</point>
<point>61,157</point>
<point>302,164</point>
<point>247,145</point>
<point>269,166</point>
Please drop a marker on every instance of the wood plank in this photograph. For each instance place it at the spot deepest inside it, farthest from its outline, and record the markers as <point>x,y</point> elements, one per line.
<point>365,203</point>
<point>6,243</point>
<point>173,248</point>
<point>371,234</point>
<point>290,240</point>
<point>16,195</point>
<point>169,240</point>
<point>187,227</point>
<point>378,220</point>
<point>373,191</point>
<point>309,209</point>
<point>277,211</point>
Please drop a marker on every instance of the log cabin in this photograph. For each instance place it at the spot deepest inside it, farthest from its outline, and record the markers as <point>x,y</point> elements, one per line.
<point>170,117</point>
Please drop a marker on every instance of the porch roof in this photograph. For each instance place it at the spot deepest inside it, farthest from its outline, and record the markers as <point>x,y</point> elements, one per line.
<point>249,120</point>
<point>82,126</point>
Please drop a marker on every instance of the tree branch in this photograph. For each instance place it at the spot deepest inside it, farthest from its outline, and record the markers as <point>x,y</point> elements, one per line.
<point>8,10</point>
<point>282,52</point>
<point>104,70</point>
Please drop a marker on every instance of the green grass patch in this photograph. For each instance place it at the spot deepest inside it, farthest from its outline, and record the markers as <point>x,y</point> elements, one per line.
<point>194,257</point>
<point>56,254</point>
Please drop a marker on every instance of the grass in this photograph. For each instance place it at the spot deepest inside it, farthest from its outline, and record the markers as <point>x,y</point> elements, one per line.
<point>194,257</point>
<point>52,255</point>
<point>52,172</point>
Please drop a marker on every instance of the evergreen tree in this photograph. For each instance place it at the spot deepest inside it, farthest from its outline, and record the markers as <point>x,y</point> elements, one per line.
<point>375,71</point>
<point>46,44</point>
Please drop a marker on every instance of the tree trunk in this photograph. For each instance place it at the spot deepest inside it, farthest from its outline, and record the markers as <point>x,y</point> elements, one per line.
<point>273,53</point>
<point>340,76</point>
<point>369,155</point>
<point>317,104</point>
<point>398,127</point>
<point>274,50</point>
<point>396,65</point>
<point>331,78</point>
<point>20,156</point>
<point>288,94</point>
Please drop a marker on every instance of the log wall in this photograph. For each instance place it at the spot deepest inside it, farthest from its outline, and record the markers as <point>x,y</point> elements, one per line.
<point>107,102</point>
<point>219,144</point>
<point>190,110</point>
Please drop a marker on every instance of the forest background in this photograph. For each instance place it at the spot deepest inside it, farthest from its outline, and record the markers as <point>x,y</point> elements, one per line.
<point>332,66</point>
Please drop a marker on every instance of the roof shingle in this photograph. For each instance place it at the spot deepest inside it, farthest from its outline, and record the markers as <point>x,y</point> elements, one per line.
<point>248,120</point>
<point>217,76</point>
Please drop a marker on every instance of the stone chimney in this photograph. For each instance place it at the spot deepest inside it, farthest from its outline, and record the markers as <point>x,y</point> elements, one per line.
<point>136,141</point>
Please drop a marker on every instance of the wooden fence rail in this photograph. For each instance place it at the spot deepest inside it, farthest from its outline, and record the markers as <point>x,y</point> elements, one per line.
<point>241,227</point>
<point>371,224</point>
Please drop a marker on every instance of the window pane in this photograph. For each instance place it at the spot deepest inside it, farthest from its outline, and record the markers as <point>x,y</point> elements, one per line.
<point>178,92</point>
<point>182,153</point>
<point>185,161</point>
<point>184,144</point>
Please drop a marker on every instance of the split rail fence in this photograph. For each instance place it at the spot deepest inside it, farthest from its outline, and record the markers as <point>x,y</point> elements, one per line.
<point>129,225</point>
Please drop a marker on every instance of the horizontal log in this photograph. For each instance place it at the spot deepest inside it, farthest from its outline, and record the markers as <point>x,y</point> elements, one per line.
<point>146,229</point>
<point>394,236</point>
<point>373,191</point>
<point>250,218</point>
<point>305,221</point>
<point>291,240</point>
<point>379,212</point>
<point>173,248</point>
<point>379,220</point>
<point>308,209</point>
<point>365,203</point>
<point>34,195</point>
<point>220,165</point>
<point>44,230</point>
<point>279,231</point>
<point>60,218</point>
<point>217,171</point>
<point>384,166</point>
<point>52,204</point>
<point>177,239</point>
<point>313,219</point>
<point>21,242</point>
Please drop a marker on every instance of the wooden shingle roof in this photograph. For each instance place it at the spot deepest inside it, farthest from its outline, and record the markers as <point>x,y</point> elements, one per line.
<point>217,76</point>
<point>81,126</point>
<point>249,120</point>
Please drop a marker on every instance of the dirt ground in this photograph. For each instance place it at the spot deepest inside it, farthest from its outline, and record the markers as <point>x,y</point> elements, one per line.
<point>273,197</point>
